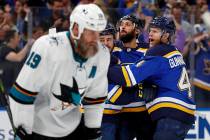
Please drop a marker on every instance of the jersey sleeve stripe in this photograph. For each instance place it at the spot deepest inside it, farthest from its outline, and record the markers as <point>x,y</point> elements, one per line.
<point>111,111</point>
<point>117,49</point>
<point>90,101</point>
<point>170,99</point>
<point>112,91</point>
<point>126,76</point>
<point>116,95</point>
<point>171,105</point>
<point>20,97</point>
<point>130,74</point>
<point>171,54</point>
<point>24,91</point>
<point>134,109</point>
<point>143,50</point>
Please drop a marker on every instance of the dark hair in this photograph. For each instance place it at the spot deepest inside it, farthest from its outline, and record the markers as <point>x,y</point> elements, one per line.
<point>9,35</point>
<point>109,30</point>
<point>176,6</point>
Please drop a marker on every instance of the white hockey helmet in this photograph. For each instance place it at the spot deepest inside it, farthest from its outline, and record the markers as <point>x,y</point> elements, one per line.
<point>88,16</point>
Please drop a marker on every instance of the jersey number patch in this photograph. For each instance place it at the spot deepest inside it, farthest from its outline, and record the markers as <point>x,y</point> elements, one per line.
<point>33,60</point>
<point>184,82</point>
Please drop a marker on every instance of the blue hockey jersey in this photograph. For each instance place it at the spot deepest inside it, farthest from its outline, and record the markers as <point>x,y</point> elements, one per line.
<point>118,101</point>
<point>163,66</point>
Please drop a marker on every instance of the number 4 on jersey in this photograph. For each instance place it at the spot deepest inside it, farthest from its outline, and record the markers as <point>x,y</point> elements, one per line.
<point>184,82</point>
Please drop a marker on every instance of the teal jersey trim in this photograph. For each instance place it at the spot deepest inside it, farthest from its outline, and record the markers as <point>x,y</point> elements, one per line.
<point>77,57</point>
<point>20,97</point>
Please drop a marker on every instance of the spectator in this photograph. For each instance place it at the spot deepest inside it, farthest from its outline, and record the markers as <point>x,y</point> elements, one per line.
<point>185,25</point>
<point>2,19</point>
<point>55,20</point>
<point>9,21</point>
<point>13,56</point>
<point>202,72</point>
<point>38,31</point>
<point>124,9</point>
<point>202,69</point>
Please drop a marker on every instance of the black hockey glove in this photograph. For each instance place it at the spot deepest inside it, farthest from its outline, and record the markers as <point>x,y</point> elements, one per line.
<point>21,134</point>
<point>93,133</point>
<point>147,92</point>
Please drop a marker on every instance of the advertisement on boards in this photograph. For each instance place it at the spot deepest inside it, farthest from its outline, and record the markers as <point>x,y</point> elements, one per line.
<point>200,131</point>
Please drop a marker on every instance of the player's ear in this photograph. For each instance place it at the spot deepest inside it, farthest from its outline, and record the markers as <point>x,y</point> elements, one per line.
<point>137,31</point>
<point>75,29</point>
<point>166,36</point>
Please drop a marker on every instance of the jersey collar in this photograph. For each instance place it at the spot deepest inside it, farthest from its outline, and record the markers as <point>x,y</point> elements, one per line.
<point>76,56</point>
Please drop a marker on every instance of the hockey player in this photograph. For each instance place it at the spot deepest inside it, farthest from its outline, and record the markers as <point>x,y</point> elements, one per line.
<point>173,108</point>
<point>126,117</point>
<point>107,36</point>
<point>110,123</point>
<point>62,70</point>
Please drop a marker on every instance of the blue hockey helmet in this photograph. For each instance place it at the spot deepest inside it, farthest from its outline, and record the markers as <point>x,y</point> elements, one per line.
<point>165,24</point>
<point>109,30</point>
<point>138,23</point>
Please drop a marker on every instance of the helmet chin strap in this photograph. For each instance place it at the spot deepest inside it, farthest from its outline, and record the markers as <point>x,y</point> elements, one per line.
<point>80,31</point>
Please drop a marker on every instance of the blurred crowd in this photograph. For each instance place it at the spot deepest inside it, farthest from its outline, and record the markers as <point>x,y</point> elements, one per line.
<point>23,21</point>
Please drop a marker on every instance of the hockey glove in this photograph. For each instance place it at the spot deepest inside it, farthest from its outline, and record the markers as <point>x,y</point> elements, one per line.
<point>21,134</point>
<point>147,92</point>
<point>93,133</point>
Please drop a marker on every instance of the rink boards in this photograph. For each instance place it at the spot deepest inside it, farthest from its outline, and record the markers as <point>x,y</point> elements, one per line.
<point>200,131</point>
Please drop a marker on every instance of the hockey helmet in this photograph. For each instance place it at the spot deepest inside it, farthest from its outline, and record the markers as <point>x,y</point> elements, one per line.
<point>138,23</point>
<point>87,16</point>
<point>165,24</point>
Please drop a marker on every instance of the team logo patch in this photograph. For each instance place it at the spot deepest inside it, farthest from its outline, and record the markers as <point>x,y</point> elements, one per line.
<point>69,94</point>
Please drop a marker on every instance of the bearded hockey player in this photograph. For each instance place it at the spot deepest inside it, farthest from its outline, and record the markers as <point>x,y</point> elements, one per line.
<point>172,109</point>
<point>63,70</point>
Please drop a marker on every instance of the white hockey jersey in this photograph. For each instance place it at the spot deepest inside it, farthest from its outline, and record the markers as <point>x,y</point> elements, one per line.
<point>46,75</point>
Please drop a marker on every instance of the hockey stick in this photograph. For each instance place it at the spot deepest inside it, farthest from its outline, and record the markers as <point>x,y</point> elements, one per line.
<point>4,102</point>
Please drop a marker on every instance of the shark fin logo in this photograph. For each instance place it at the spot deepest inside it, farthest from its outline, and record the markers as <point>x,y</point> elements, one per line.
<point>69,94</point>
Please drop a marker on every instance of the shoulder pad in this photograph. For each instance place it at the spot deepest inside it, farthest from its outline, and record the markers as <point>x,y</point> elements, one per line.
<point>142,50</point>
<point>160,50</point>
<point>116,49</point>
